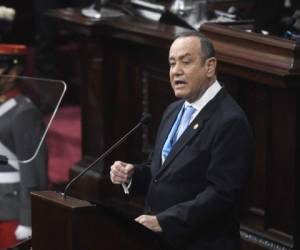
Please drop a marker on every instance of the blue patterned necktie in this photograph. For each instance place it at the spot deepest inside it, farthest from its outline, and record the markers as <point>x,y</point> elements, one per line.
<point>180,125</point>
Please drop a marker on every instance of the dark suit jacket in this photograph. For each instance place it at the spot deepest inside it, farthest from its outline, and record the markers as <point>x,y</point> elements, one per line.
<point>195,193</point>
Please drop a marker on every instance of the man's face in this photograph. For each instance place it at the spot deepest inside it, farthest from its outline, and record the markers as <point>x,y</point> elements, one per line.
<point>190,75</point>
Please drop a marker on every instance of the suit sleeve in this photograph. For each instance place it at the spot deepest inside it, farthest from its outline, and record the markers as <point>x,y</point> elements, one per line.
<point>141,179</point>
<point>27,132</point>
<point>231,160</point>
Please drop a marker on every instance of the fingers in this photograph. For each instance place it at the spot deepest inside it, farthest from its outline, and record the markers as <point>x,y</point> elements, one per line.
<point>150,222</point>
<point>141,219</point>
<point>121,172</point>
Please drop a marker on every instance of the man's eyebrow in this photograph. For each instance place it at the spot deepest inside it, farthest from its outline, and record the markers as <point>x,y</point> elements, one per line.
<point>181,56</point>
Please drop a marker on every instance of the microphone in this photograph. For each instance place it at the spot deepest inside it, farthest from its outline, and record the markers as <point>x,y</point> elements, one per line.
<point>144,120</point>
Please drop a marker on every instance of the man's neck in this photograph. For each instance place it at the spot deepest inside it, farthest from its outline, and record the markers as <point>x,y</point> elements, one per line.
<point>208,95</point>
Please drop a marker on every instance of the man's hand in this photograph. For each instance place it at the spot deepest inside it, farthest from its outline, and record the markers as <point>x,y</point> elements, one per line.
<point>121,172</point>
<point>150,222</point>
<point>23,232</point>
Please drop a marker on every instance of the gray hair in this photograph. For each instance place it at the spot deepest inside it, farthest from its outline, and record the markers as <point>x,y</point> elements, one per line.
<point>207,47</point>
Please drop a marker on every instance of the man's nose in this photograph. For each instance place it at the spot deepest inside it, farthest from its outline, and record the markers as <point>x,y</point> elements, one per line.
<point>177,69</point>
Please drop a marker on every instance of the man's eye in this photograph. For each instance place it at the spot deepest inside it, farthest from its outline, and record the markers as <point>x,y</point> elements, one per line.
<point>186,62</point>
<point>172,64</point>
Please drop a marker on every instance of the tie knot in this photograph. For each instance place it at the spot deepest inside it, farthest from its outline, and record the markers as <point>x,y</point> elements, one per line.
<point>188,113</point>
<point>189,109</point>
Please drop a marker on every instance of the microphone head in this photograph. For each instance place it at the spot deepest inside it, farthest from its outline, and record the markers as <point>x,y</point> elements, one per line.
<point>146,117</point>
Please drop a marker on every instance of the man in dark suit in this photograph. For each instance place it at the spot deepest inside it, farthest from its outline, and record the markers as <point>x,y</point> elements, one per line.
<point>201,159</point>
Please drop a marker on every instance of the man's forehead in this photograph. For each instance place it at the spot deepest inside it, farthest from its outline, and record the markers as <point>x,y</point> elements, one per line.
<point>185,46</point>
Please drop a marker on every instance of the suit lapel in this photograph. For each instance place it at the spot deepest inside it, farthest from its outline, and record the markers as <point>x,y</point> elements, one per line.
<point>192,130</point>
<point>165,130</point>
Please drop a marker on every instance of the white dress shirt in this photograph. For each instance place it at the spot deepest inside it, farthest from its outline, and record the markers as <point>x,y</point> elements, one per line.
<point>202,101</point>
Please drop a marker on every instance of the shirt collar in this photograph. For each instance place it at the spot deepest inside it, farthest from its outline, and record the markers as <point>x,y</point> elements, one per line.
<point>201,102</point>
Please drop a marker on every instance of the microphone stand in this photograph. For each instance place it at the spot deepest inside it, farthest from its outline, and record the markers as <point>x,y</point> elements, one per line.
<point>144,120</point>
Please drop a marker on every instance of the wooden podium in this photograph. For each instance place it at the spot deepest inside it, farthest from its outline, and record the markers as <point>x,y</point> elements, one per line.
<point>73,224</point>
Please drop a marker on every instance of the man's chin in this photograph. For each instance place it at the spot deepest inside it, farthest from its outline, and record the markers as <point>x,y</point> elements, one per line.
<point>186,97</point>
<point>182,95</point>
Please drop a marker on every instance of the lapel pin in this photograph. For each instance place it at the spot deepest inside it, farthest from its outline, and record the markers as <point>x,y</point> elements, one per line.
<point>196,126</point>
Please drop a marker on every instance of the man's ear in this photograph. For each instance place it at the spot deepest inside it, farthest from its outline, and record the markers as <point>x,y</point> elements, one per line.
<point>211,65</point>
